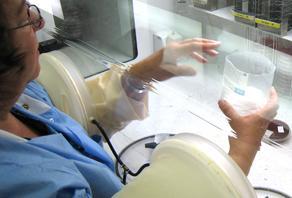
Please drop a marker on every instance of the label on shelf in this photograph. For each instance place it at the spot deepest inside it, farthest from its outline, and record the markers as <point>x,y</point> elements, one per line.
<point>244,16</point>
<point>268,23</point>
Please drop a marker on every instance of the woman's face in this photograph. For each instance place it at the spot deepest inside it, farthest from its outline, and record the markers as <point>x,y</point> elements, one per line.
<point>24,39</point>
<point>14,13</point>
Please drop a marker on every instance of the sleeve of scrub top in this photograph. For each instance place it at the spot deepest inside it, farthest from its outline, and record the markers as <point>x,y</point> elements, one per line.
<point>115,109</point>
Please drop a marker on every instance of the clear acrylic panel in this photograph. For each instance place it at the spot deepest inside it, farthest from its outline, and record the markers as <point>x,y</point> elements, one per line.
<point>99,28</point>
<point>99,34</point>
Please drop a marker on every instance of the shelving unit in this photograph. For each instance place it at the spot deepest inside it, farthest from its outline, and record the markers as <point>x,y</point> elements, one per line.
<point>224,19</point>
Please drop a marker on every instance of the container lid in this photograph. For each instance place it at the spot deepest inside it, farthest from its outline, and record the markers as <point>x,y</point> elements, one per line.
<point>278,131</point>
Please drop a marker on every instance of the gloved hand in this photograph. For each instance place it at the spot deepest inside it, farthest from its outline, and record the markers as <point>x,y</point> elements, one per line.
<point>162,64</point>
<point>191,47</point>
<point>251,128</point>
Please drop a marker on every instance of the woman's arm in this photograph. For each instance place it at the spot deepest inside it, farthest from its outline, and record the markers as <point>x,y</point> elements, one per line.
<point>249,130</point>
<point>161,65</point>
<point>121,96</point>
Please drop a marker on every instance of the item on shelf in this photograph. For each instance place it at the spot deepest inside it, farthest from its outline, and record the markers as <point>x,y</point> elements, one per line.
<point>212,4</point>
<point>273,15</point>
<point>247,79</point>
<point>245,11</point>
<point>278,131</point>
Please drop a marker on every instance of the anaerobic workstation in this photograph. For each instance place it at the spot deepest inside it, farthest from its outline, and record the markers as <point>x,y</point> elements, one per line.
<point>122,32</point>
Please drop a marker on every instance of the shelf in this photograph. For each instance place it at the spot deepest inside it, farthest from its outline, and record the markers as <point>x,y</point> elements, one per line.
<point>223,19</point>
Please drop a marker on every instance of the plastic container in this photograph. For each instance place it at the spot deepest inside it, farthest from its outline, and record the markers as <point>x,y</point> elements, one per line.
<point>188,166</point>
<point>245,11</point>
<point>274,15</point>
<point>248,77</point>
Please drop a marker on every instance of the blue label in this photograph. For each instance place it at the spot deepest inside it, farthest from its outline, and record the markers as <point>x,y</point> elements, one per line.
<point>239,91</point>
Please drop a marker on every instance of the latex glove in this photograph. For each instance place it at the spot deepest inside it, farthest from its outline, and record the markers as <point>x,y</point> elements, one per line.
<point>162,64</point>
<point>194,48</point>
<point>251,128</point>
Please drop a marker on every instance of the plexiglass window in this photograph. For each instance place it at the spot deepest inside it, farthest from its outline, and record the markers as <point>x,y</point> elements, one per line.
<point>254,55</point>
<point>99,28</point>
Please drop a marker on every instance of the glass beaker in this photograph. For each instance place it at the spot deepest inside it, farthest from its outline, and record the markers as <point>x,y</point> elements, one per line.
<point>247,79</point>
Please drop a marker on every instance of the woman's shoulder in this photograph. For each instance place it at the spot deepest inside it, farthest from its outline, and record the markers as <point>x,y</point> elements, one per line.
<point>37,91</point>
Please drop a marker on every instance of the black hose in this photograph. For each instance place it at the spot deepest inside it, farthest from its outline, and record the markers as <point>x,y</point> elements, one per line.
<point>125,168</point>
<point>273,191</point>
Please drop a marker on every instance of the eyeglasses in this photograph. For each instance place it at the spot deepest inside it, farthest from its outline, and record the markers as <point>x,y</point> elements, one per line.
<point>35,21</point>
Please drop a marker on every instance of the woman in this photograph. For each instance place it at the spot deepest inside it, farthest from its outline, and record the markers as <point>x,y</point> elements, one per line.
<point>45,153</point>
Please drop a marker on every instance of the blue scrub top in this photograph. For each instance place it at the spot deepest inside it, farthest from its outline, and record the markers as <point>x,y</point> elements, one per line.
<point>49,166</point>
